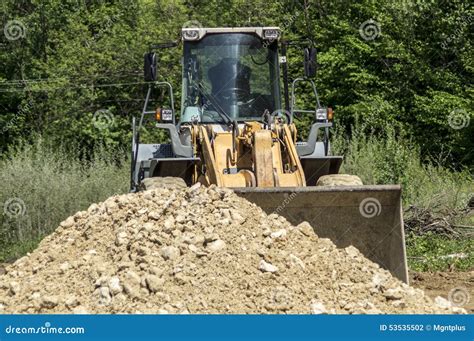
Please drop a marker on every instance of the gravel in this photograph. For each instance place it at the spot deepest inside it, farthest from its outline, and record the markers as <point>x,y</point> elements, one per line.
<point>198,250</point>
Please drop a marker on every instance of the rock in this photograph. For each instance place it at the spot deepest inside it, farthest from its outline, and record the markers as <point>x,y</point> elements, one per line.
<point>131,283</point>
<point>69,222</point>
<point>267,267</point>
<point>170,252</point>
<point>456,310</point>
<point>154,270</point>
<point>93,209</point>
<point>318,308</point>
<point>399,304</point>
<point>236,217</point>
<point>169,225</point>
<point>296,261</point>
<point>306,229</point>
<point>155,215</point>
<point>352,252</point>
<point>393,294</point>
<point>80,311</point>
<point>71,302</point>
<point>121,238</point>
<point>194,188</point>
<point>216,245</point>
<point>180,218</point>
<point>278,234</point>
<point>49,302</point>
<point>154,283</point>
<point>378,280</point>
<point>64,267</point>
<point>105,298</point>
<point>14,288</point>
<point>442,302</point>
<point>114,285</point>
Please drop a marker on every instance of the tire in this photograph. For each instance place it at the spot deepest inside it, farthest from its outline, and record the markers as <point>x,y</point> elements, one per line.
<point>339,180</point>
<point>162,182</point>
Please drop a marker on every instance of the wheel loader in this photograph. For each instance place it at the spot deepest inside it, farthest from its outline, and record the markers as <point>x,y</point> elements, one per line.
<point>234,132</point>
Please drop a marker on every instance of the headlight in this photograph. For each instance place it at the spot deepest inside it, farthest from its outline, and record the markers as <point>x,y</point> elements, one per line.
<point>321,114</point>
<point>271,34</point>
<point>164,115</point>
<point>190,34</point>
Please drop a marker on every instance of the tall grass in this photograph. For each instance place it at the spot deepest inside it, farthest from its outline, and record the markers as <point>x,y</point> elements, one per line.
<point>42,186</point>
<point>389,157</point>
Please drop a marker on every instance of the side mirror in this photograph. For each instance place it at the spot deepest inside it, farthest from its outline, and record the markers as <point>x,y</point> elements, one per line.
<point>310,62</point>
<point>150,66</point>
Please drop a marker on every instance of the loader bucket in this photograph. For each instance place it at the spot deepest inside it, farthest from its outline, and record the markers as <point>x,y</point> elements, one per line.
<point>367,217</point>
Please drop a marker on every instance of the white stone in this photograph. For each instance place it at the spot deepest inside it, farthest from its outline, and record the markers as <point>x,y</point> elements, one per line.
<point>442,302</point>
<point>170,252</point>
<point>114,285</point>
<point>69,222</point>
<point>267,267</point>
<point>296,261</point>
<point>154,283</point>
<point>216,245</point>
<point>64,267</point>
<point>80,311</point>
<point>278,234</point>
<point>318,308</point>
<point>14,288</point>
<point>351,251</point>
<point>393,294</point>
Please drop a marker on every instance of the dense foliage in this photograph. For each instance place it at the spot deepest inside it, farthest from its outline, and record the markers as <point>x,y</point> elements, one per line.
<point>72,69</point>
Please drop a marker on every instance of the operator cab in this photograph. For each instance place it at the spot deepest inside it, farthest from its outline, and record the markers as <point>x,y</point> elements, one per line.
<point>229,72</point>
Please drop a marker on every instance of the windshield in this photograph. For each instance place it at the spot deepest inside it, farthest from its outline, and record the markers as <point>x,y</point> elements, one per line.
<point>229,74</point>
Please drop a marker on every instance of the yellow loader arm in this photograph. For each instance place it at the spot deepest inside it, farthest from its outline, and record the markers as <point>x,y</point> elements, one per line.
<point>250,157</point>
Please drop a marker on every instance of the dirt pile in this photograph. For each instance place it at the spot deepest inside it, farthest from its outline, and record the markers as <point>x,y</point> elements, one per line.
<point>198,250</point>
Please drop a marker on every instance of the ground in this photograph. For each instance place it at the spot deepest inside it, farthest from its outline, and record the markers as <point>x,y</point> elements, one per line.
<point>441,283</point>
